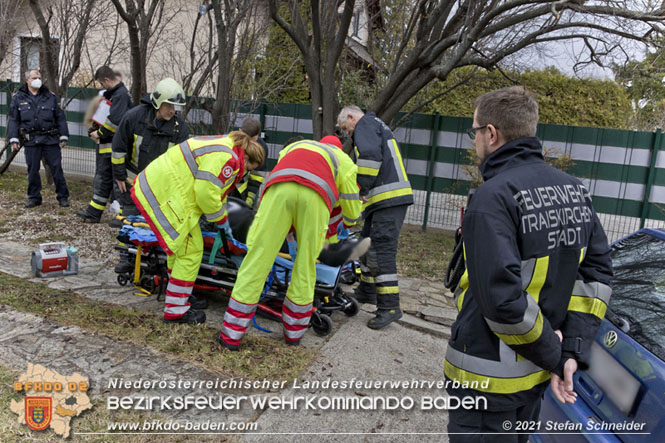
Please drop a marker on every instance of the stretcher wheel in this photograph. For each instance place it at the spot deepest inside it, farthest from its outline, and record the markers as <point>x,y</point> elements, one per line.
<point>352,308</point>
<point>322,324</point>
<point>122,279</point>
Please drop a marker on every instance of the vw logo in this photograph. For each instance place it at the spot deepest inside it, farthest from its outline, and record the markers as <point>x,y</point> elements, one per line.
<point>610,339</point>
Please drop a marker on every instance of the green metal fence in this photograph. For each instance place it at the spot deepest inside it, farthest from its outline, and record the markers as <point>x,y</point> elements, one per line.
<point>624,170</point>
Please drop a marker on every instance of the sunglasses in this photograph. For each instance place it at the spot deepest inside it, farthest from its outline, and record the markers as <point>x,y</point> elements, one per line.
<point>471,132</point>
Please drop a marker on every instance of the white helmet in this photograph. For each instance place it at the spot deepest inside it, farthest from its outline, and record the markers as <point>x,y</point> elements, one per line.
<point>167,91</point>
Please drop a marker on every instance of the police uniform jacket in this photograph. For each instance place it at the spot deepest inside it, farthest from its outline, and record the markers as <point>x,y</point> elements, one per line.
<point>36,114</point>
<point>381,174</point>
<point>537,260</point>
<point>141,138</point>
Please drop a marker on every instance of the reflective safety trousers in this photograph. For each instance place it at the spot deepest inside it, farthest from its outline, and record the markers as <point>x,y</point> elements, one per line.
<point>284,204</point>
<point>189,180</point>
<point>537,260</point>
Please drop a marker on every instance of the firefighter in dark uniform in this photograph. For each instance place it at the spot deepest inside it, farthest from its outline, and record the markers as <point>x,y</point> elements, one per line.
<point>121,102</point>
<point>36,117</point>
<point>386,192</point>
<point>536,284</point>
<point>248,187</point>
<point>146,132</point>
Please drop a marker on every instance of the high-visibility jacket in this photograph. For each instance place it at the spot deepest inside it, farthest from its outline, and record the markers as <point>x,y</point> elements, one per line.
<point>326,169</point>
<point>381,173</point>
<point>121,102</point>
<point>191,179</point>
<point>537,260</point>
<point>141,138</point>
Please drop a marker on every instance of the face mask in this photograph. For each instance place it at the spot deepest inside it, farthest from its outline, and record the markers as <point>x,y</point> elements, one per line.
<point>36,83</point>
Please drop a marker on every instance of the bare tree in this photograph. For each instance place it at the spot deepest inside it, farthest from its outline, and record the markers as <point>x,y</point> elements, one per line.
<point>320,47</point>
<point>146,19</point>
<point>70,19</point>
<point>9,11</point>
<point>443,35</point>
<point>437,36</point>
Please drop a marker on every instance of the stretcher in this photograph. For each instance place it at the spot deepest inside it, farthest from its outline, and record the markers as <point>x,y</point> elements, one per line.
<point>218,274</point>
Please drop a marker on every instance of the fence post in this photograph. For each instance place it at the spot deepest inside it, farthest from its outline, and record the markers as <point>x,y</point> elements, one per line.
<point>432,161</point>
<point>652,173</point>
<point>262,116</point>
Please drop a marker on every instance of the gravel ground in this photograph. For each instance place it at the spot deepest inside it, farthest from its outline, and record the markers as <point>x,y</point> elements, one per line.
<point>51,223</point>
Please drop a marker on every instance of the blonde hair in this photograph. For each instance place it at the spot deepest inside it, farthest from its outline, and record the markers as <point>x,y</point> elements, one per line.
<point>253,149</point>
<point>255,152</point>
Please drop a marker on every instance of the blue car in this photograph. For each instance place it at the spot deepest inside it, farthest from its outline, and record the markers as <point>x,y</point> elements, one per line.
<point>621,397</point>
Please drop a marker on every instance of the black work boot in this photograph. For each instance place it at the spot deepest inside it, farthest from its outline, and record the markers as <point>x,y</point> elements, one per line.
<point>384,317</point>
<point>32,203</point>
<point>197,303</point>
<point>363,297</point>
<point>191,317</point>
<point>224,344</point>
<point>292,342</point>
<point>87,218</point>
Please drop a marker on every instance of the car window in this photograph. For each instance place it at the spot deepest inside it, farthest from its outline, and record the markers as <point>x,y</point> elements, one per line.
<point>638,289</point>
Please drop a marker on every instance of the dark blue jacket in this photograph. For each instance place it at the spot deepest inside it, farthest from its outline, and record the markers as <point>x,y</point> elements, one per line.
<point>121,102</point>
<point>141,138</point>
<point>381,174</point>
<point>36,114</point>
<point>537,260</point>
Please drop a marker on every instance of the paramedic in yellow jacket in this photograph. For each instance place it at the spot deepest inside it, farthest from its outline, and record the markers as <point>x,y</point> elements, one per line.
<point>189,180</point>
<point>309,179</point>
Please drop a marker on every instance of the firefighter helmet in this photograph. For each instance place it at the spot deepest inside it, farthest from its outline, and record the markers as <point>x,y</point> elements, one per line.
<point>167,91</point>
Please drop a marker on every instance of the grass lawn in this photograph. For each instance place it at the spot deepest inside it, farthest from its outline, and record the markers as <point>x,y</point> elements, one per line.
<point>424,254</point>
<point>259,357</point>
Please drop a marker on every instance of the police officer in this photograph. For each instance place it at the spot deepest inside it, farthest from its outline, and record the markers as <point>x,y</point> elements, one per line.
<point>121,102</point>
<point>536,284</point>
<point>248,187</point>
<point>34,115</point>
<point>145,133</point>
<point>309,179</point>
<point>386,191</point>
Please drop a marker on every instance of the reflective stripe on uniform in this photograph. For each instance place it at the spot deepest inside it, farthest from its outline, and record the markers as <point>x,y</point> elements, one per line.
<point>154,206</point>
<point>214,215</point>
<point>295,321</point>
<point>244,322</point>
<point>386,289</point>
<point>118,158</point>
<point>232,333</point>
<point>96,205</point>
<point>108,124</point>
<point>176,310</point>
<point>294,335</point>
<point>526,331</point>
<point>385,277</point>
<point>104,148</point>
<point>178,289</point>
<point>397,160</point>
<point>306,175</point>
<point>301,309</point>
<point>392,190</point>
<point>327,149</point>
<point>209,176</point>
<point>590,298</point>
<point>180,301</point>
<point>506,376</point>
<point>538,278</point>
<point>352,197</point>
<point>241,307</point>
